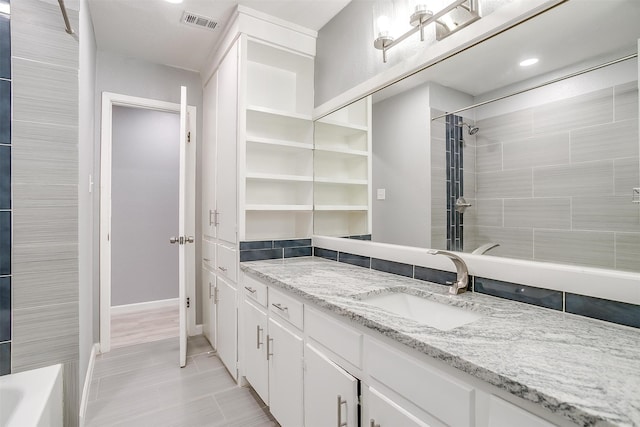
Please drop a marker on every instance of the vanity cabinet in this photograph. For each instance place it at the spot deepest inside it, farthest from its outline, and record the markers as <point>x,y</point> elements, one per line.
<point>331,394</point>
<point>256,365</point>
<point>225,298</point>
<point>380,411</point>
<point>285,354</point>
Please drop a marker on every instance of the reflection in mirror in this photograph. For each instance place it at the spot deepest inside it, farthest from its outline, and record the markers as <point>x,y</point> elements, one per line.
<point>546,174</point>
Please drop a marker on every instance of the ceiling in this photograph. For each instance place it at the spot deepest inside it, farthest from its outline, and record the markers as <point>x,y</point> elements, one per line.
<point>576,34</point>
<point>151,29</point>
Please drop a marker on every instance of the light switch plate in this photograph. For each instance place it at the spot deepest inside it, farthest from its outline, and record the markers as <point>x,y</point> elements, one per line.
<point>381,194</point>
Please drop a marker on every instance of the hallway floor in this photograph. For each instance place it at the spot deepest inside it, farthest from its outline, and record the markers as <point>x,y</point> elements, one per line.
<point>142,385</point>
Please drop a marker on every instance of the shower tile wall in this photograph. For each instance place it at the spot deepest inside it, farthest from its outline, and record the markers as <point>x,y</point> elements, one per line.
<point>554,182</point>
<point>45,193</point>
<point>5,192</point>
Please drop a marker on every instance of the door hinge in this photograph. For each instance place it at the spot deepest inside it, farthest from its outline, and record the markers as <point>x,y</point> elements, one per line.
<point>188,136</point>
<point>188,302</point>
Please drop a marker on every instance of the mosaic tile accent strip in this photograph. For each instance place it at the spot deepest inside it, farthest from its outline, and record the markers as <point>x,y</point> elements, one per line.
<point>455,181</point>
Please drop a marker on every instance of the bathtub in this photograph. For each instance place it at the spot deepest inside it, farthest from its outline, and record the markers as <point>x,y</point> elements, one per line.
<point>32,398</point>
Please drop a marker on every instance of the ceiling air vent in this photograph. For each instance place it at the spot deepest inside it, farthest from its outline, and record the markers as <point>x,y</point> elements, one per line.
<point>198,21</point>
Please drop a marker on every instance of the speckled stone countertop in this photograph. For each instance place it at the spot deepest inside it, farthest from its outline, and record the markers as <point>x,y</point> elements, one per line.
<point>585,370</point>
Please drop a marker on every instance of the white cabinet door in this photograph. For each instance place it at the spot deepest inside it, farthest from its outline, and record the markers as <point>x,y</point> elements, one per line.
<point>330,392</point>
<point>226,165</point>
<point>380,411</point>
<point>255,349</point>
<point>227,324</point>
<point>285,350</point>
<point>209,128</point>
<point>209,314</point>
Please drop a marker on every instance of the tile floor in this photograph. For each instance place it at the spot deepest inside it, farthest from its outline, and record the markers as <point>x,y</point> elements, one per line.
<point>149,325</point>
<point>142,385</point>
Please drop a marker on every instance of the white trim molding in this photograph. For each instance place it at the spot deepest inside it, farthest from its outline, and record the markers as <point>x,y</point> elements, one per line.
<point>144,306</point>
<point>86,389</point>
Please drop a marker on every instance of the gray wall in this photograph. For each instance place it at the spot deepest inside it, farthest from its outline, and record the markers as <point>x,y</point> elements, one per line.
<point>400,165</point>
<point>45,191</point>
<point>144,203</point>
<point>87,84</point>
<point>129,76</point>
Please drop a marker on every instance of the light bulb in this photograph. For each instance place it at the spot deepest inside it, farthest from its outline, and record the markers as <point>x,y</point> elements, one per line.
<point>528,62</point>
<point>383,25</point>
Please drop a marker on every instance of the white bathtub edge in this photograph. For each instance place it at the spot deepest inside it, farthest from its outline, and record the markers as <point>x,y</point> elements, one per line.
<point>87,383</point>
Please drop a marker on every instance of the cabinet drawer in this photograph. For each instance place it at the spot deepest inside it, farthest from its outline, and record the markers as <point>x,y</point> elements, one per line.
<point>227,263</point>
<point>382,411</point>
<point>286,307</point>
<point>341,339</point>
<point>255,290</point>
<point>435,392</point>
<point>208,255</point>
<point>505,414</point>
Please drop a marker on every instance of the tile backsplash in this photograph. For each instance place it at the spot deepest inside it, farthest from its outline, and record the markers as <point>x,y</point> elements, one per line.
<point>274,249</point>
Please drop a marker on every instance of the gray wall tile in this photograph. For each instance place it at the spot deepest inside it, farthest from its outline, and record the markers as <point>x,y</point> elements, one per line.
<point>505,128</point>
<point>5,243</point>
<point>584,179</point>
<point>580,111</point>
<point>607,141</point>
<point>438,153</point>
<point>392,267</point>
<point>5,309</point>
<point>44,335</point>
<point>627,251</point>
<point>297,252</point>
<point>626,175</point>
<point>5,112</point>
<point>45,153</point>
<point>5,358</point>
<point>610,311</point>
<point>538,213</point>
<point>38,35</point>
<point>325,253</point>
<point>42,258</point>
<point>5,47</point>
<point>486,212</point>
<point>488,158</point>
<point>514,242</point>
<point>44,93</point>
<point>36,289</point>
<point>626,101</point>
<point>5,177</point>
<point>516,292</point>
<point>543,150</point>
<point>575,247</point>
<point>353,259</point>
<point>606,213</point>
<point>507,184</point>
<point>45,225</point>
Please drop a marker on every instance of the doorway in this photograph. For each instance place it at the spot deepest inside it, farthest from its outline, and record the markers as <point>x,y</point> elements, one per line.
<point>140,177</point>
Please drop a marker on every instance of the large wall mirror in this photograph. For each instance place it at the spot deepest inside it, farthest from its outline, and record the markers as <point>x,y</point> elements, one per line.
<point>482,153</point>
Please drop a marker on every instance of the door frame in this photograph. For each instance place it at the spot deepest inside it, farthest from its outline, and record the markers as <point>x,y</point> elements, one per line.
<point>109,100</point>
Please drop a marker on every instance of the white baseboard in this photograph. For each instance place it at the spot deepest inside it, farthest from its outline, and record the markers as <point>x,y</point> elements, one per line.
<point>87,383</point>
<point>141,306</point>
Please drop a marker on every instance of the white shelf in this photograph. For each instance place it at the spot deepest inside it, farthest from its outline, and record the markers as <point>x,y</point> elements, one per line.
<point>279,177</point>
<point>340,150</point>
<point>280,142</point>
<point>341,207</point>
<point>297,208</point>
<point>345,125</point>
<point>276,112</point>
<point>346,181</point>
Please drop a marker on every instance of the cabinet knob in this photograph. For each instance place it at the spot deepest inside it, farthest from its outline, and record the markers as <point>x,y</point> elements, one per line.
<point>373,423</point>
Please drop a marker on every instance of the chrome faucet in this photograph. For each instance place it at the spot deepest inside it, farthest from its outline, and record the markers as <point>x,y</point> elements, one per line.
<point>485,248</point>
<point>462,279</point>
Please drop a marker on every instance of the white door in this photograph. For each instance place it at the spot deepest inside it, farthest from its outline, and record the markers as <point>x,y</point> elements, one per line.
<point>330,392</point>
<point>186,219</point>
<point>255,349</point>
<point>226,325</point>
<point>285,350</point>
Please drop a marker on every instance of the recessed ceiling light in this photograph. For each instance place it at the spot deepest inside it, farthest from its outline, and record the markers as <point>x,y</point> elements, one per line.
<point>528,62</point>
<point>174,1</point>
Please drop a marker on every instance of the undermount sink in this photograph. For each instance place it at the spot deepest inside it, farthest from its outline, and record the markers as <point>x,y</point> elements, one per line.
<point>431,313</point>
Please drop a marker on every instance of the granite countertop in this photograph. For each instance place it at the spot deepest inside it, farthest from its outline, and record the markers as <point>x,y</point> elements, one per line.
<point>585,370</point>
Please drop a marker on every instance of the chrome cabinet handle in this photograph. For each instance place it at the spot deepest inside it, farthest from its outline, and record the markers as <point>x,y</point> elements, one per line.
<point>209,290</point>
<point>222,269</point>
<point>253,291</point>
<point>340,403</point>
<point>258,332</point>
<point>280,307</point>
<point>215,295</point>
<point>269,345</point>
<point>206,259</point>
<point>373,423</point>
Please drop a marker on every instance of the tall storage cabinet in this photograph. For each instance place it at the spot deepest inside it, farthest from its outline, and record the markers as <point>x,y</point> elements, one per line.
<point>257,167</point>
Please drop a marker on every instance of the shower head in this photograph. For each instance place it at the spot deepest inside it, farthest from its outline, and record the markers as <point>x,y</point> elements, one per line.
<point>472,129</point>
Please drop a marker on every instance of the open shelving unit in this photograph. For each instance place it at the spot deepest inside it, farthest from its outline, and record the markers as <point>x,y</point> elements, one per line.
<point>277,181</point>
<point>342,171</point>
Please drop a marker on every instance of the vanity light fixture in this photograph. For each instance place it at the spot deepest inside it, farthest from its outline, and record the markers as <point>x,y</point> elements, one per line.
<point>174,1</point>
<point>457,15</point>
<point>529,62</point>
